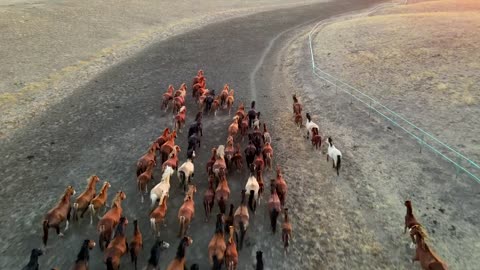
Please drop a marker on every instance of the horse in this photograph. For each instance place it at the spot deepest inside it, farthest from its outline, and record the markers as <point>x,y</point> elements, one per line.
<point>219,167</point>
<point>186,211</point>
<point>186,172</point>
<point>179,119</point>
<point>163,138</point>
<point>297,107</point>
<point>240,220</point>
<point>142,163</point>
<point>252,114</point>
<point>168,146</point>
<point>231,254</point>
<point>167,97</point>
<point>258,162</point>
<point>250,152</point>
<point>209,101</point>
<point>33,263</point>
<point>144,178</point>
<point>83,257</point>
<point>281,186</point>
<point>260,184</point>
<point>298,120</point>
<point>233,128</point>
<point>172,160</point>
<point>217,245</point>
<point>178,102</point>
<point>237,159</point>
<point>58,214</point>
<point>257,138</point>
<point>229,151</point>
<point>274,206</point>
<point>334,154</point>
<point>267,138</point>
<point>162,188</point>
<point>256,121</point>
<point>410,222</point>
<point>222,193</point>
<point>244,127</point>
<point>157,216</point>
<point>209,199</point>
<point>268,155</point>
<point>211,162</point>
<point>155,251</point>
<point>316,139</point>
<point>252,187</point>
<point>84,199</point>
<point>196,127</point>
<point>230,218</point>
<point>224,95</point>
<point>98,201</point>
<point>215,105</point>
<point>286,232</point>
<point>427,257</point>
<point>179,262</point>
<point>310,125</point>
<point>259,265</point>
<point>197,86</point>
<point>136,244</point>
<point>230,100</point>
<point>193,142</point>
<point>108,222</point>
<point>118,247</point>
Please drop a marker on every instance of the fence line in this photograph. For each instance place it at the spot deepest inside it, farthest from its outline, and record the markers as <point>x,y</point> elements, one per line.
<point>338,84</point>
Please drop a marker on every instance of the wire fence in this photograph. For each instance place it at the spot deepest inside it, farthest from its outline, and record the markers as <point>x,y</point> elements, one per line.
<point>462,163</point>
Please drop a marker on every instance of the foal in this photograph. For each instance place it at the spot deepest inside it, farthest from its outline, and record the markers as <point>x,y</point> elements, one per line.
<point>58,214</point>
<point>82,201</point>
<point>286,232</point>
<point>83,256</point>
<point>316,139</point>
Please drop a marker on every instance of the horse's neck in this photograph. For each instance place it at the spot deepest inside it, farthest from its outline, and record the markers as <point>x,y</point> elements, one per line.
<point>65,198</point>
<point>409,210</point>
<point>286,217</point>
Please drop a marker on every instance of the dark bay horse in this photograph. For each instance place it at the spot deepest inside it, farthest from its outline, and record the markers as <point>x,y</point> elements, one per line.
<point>83,257</point>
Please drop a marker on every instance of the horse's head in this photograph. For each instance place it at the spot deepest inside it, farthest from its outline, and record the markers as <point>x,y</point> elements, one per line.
<point>235,119</point>
<point>123,220</point>
<point>151,163</point>
<point>259,255</point>
<point>182,109</point>
<point>166,131</point>
<point>106,185</point>
<point>177,149</point>
<point>232,92</point>
<point>161,245</point>
<point>187,241</point>
<point>92,180</point>
<point>279,171</point>
<point>36,252</point>
<point>191,154</point>
<point>408,204</point>
<point>90,244</point>
<point>121,196</point>
<point>70,191</point>
<point>308,117</point>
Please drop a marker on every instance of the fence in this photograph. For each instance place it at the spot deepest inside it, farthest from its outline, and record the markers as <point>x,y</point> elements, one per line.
<point>460,161</point>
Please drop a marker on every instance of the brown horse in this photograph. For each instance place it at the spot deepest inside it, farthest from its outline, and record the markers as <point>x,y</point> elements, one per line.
<point>202,83</point>
<point>217,245</point>
<point>179,262</point>
<point>172,160</point>
<point>222,194</point>
<point>237,159</point>
<point>209,199</point>
<point>168,146</point>
<point>118,247</point>
<point>83,257</point>
<point>429,260</point>
<point>316,139</point>
<point>267,138</point>
<point>229,151</point>
<point>178,102</point>
<point>212,160</point>
<point>157,216</point>
<point>299,120</point>
<point>219,168</point>
<point>231,254</point>
<point>197,78</point>
<point>99,201</point>
<point>297,107</point>
<point>410,221</point>
<point>281,185</point>
<point>179,119</point>
<point>164,138</point>
<point>58,214</point>
<point>230,100</point>
<point>244,127</point>
<point>233,128</point>
<point>167,97</point>
<point>142,163</point>
<point>241,220</point>
<point>136,245</point>
<point>241,113</point>
<point>110,220</point>
<point>224,95</point>
<point>144,178</point>
<point>258,162</point>
<point>286,231</point>
<point>82,201</point>
<point>230,218</point>
<point>261,184</point>
<point>274,206</point>
<point>215,105</point>
<point>268,155</point>
<point>186,211</point>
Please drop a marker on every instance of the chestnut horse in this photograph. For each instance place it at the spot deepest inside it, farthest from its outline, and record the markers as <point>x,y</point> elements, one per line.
<point>217,245</point>
<point>82,201</point>
<point>222,194</point>
<point>211,162</point>
<point>241,220</point>
<point>179,262</point>
<point>429,260</point>
<point>261,185</point>
<point>144,178</point>
<point>244,127</point>
<point>110,220</point>
<point>136,244</point>
<point>229,151</point>
<point>258,162</point>
<point>167,97</point>
<point>274,206</point>
<point>33,263</point>
<point>209,199</point>
<point>316,139</point>
<point>118,247</point>
<point>231,254</point>
<point>286,231</point>
<point>58,214</point>
<point>172,160</point>
<point>268,155</point>
<point>157,216</point>
<point>219,168</point>
<point>186,211</point>
<point>410,222</point>
<point>230,100</point>
<point>178,102</point>
<point>281,186</point>
<point>142,163</point>
<point>168,146</point>
<point>164,138</point>
<point>99,201</point>
<point>215,105</point>
<point>83,257</point>
<point>237,159</point>
<point>299,120</point>
<point>179,119</point>
<point>224,95</point>
<point>233,128</point>
<point>297,107</point>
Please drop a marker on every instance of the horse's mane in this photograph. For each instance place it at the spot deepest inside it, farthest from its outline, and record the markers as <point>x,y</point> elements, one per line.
<point>219,225</point>
<point>104,187</point>
<point>120,228</point>
<point>153,260</point>
<point>221,151</point>
<point>181,248</point>
<point>65,194</point>
<point>83,254</point>
<point>295,98</point>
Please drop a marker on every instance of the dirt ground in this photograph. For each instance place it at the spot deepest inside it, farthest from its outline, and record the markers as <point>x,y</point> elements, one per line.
<point>50,48</point>
<point>362,211</point>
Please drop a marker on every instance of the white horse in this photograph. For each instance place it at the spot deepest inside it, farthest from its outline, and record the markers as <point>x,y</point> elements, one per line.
<point>186,172</point>
<point>334,154</point>
<point>310,126</point>
<point>162,188</point>
<point>252,187</point>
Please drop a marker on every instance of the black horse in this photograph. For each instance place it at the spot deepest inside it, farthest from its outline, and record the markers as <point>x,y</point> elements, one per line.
<point>196,127</point>
<point>33,263</point>
<point>193,142</point>
<point>250,152</point>
<point>154,259</point>
<point>259,265</point>
<point>209,100</point>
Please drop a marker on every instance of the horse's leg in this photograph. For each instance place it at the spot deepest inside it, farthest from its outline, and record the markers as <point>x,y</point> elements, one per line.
<point>57,229</point>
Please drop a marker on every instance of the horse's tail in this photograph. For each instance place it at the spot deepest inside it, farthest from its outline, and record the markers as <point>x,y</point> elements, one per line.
<point>45,231</point>
<point>110,263</point>
<point>133,256</point>
<point>251,200</point>
<point>92,212</point>
<point>286,239</point>
<point>339,162</point>
<point>153,224</point>
<point>182,225</point>
<point>273,219</point>
<point>221,205</point>
<point>216,263</point>
<point>242,233</point>
<point>206,206</point>
<point>75,212</point>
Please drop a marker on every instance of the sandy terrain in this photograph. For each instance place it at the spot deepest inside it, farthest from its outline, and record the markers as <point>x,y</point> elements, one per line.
<point>50,48</point>
<point>382,166</point>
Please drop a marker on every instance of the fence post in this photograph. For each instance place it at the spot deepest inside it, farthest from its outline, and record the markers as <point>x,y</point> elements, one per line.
<point>458,171</point>
<point>369,111</point>
<point>421,142</point>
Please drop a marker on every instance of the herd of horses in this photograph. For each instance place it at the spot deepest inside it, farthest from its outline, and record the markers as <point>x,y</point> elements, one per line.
<point>230,229</point>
